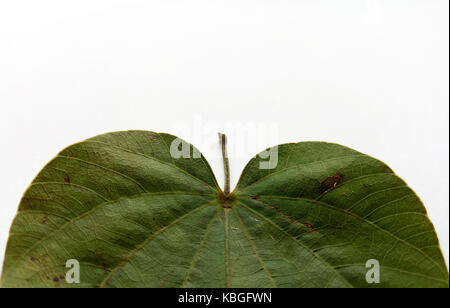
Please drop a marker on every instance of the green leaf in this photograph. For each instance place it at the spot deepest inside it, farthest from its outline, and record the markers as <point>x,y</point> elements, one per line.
<point>134,216</point>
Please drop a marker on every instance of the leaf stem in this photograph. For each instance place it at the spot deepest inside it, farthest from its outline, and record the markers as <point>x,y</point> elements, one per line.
<point>226,163</point>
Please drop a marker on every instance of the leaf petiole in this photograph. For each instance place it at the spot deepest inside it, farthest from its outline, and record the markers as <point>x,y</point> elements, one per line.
<point>226,163</point>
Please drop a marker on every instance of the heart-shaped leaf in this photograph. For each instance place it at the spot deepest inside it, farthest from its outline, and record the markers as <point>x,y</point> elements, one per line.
<point>131,214</point>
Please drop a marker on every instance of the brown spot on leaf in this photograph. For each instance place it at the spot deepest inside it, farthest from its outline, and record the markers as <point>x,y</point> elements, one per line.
<point>254,197</point>
<point>67,179</point>
<point>331,183</point>
<point>309,226</point>
<point>33,259</point>
<point>56,279</point>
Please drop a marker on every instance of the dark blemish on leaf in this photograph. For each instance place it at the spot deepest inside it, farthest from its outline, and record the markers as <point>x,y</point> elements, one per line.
<point>331,183</point>
<point>67,179</point>
<point>254,197</point>
<point>309,226</point>
<point>45,220</point>
<point>153,137</point>
<point>365,185</point>
<point>62,277</point>
<point>33,259</point>
<point>56,279</point>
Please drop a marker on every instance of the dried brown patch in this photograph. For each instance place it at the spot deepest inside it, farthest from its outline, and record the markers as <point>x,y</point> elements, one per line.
<point>331,183</point>
<point>309,226</point>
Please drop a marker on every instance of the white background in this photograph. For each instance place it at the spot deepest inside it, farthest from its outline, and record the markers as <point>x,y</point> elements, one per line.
<point>371,75</point>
